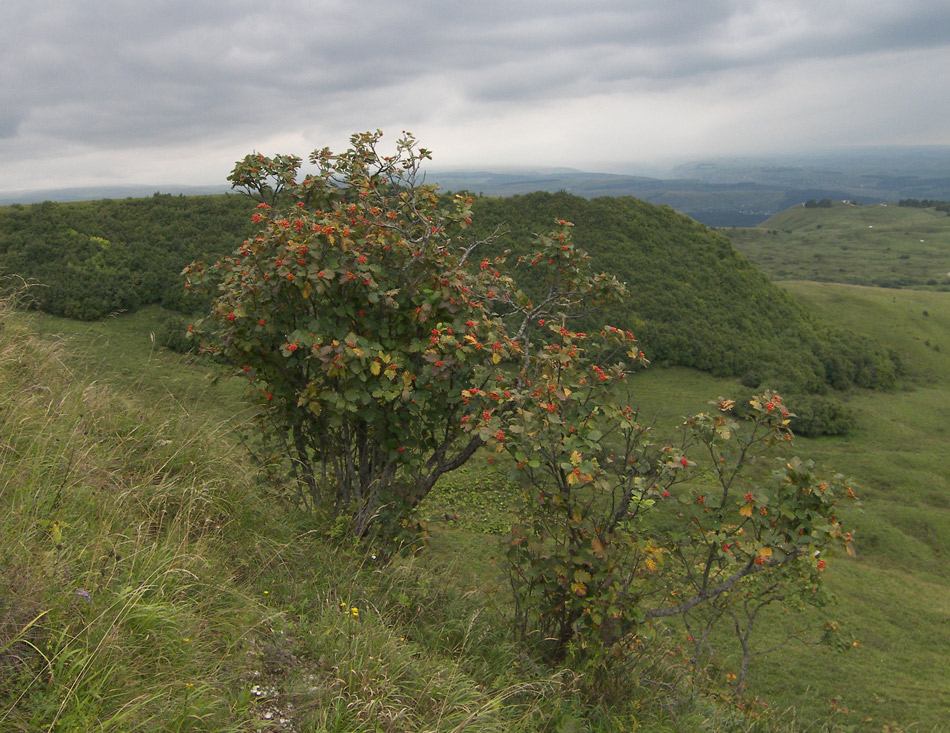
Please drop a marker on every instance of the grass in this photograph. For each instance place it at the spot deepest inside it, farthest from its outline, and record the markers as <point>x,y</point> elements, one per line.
<point>110,518</point>
<point>887,246</point>
<point>151,585</point>
<point>899,445</point>
<point>895,594</point>
<point>122,350</point>
<point>120,477</point>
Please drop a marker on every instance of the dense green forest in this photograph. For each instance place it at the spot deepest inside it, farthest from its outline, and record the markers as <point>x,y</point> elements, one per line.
<point>694,301</point>
<point>94,258</point>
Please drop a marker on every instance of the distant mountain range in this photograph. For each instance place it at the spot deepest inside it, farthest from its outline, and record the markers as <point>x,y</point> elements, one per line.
<point>741,191</point>
<point>717,192</point>
<point>96,193</point>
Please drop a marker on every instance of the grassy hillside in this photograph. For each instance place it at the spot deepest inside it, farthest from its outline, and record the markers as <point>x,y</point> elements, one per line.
<point>694,302</point>
<point>152,584</point>
<point>118,524</point>
<point>198,625</point>
<point>900,589</point>
<point>887,246</point>
<point>895,595</point>
<point>908,467</point>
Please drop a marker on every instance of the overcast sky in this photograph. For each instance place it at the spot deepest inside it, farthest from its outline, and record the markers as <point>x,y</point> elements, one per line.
<point>159,92</point>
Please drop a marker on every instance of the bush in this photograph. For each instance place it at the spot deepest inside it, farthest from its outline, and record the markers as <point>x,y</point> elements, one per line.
<point>383,355</point>
<point>173,335</point>
<point>617,529</point>
<point>377,348</point>
<point>816,416</point>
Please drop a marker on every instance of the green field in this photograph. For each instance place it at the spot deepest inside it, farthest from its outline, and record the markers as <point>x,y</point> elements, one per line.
<point>883,245</point>
<point>894,596</point>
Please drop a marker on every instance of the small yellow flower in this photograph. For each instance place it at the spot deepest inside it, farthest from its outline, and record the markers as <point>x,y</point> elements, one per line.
<point>266,592</point>
<point>188,684</point>
<point>186,640</point>
<point>355,611</point>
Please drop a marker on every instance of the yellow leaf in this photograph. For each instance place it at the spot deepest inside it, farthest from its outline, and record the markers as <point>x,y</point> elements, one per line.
<point>375,368</point>
<point>576,458</point>
<point>765,553</point>
<point>746,511</point>
<point>598,547</point>
<point>495,358</point>
<point>305,290</point>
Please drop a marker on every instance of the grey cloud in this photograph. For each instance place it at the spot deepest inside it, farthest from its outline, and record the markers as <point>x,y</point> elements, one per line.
<point>9,124</point>
<point>117,74</point>
<point>337,47</point>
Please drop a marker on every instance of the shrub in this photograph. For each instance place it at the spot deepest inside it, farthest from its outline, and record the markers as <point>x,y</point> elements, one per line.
<point>383,355</point>
<point>377,348</point>
<point>816,416</point>
<point>617,529</point>
<point>173,335</point>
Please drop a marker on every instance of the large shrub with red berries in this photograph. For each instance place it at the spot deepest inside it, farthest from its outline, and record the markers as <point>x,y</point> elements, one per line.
<point>360,312</point>
<point>383,351</point>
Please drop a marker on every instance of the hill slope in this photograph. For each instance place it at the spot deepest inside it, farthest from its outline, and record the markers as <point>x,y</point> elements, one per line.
<point>151,584</point>
<point>429,647</point>
<point>886,246</point>
<point>695,301</point>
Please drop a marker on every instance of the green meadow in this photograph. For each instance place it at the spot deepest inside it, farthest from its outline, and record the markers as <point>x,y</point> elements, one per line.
<point>894,596</point>
<point>882,245</point>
